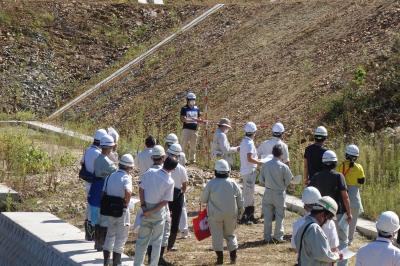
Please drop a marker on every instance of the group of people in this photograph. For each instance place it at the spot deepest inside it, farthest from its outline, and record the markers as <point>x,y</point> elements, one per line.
<point>331,195</point>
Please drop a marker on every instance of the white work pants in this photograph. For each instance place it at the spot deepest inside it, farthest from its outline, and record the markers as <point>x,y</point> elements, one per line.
<point>223,228</point>
<point>117,234</point>
<point>249,182</point>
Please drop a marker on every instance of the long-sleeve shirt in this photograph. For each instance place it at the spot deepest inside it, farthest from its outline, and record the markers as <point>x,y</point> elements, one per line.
<point>220,145</point>
<point>103,166</point>
<point>275,175</point>
<point>266,147</point>
<point>378,252</point>
<point>315,249</point>
<point>223,198</point>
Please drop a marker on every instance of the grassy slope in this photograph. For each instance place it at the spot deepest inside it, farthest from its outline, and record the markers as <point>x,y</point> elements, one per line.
<point>53,50</point>
<point>261,62</point>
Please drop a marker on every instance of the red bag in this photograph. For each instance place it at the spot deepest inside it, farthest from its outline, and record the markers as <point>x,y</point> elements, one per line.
<point>200,226</point>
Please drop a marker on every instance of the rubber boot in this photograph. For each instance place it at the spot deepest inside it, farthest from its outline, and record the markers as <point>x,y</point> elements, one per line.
<point>89,232</point>
<point>220,257</point>
<point>106,256</point>
<point>149,249</point>
<point>116,259</point>
<point>102,237</point>
<point>233,256</point>
<point>245,216</point>
<point>171,241</point>
<point>162,261</point>
<point>251,215</point>
<point>97,238</point>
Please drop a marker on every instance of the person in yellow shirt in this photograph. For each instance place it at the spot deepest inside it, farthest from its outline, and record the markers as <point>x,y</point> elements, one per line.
<point>355,177</point>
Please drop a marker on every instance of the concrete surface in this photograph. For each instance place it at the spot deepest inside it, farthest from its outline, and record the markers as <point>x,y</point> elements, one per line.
<point>40,238</point>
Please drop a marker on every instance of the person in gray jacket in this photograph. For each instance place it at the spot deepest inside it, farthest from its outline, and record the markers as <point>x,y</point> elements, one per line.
<point>311,242</point>
<point>220,147</point>
<point>276,177</point>
<point>224,206</point>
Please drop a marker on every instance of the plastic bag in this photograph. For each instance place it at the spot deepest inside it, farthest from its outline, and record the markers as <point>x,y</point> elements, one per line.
<point>200,226</point>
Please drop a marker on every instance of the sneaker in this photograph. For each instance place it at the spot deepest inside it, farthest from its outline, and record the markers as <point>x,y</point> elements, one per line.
<point>186,234</point>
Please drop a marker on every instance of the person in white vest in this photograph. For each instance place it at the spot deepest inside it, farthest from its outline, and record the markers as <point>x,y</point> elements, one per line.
<point>248,167</point>
<point>113,154</point>
<point>381,251</point>
<point>90,155</point>
<point>156,189</point>
<point>310,197</point>
<point>143,159</point>
<point>224,206</point>
<point>220,146</point>
<point>265,148</point>
<point>276,177</point>
<point>118,184</point>
<point>312,245</point>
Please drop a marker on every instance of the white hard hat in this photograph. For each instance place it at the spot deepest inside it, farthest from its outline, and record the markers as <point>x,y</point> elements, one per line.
<point>191,96</point>
<point>107,141</point>
<point>157,151</point>
<point>222,166</point>
<point>311,195</point>
<point>352,150</point>
<point>127,160</point>
<point>113,133</point>
<point>388,222</point>
<point>99,134</point>
<point>278,128</point>
<point>250,127</point>
<point>175,149</point>
<point>321,131</point>
<point>326,203</point>
<point>171,138</point>
<point>329,156</point>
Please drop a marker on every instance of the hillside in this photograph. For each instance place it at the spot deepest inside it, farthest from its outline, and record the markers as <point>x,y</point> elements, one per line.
<point>283,60</point>
<point>52,50</point>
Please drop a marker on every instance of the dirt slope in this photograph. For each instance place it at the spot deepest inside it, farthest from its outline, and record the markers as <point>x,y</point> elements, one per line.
<point>49,49</point>
<point>261,61</point>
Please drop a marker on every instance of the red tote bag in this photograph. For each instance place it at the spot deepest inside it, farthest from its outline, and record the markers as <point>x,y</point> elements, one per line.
<point>200,226</point>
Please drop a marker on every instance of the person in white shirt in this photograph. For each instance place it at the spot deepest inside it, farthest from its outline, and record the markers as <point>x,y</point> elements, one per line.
<point>248,166</point>
<point>156,189</point>
<point>310,197</point>
<point>143,159</point>
<point>88,159</point>
<point>276,177</point>
<point>265,148</point>
<point>180,177</point>
<point>220,146</point>
<point>118,184</point>
<point>113,154</point>
<point>382,251</point>
<point>170,139</point>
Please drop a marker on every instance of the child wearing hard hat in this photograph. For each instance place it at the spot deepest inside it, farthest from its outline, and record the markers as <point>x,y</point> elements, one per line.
<point>381,251</point>
<point>118,184</point>
<point>311,242</point>
<point>248,166</point>
<point>265,148</point>
<point>224,205</point>
<point>220,146</point>
<point>310,197</point>
<point>354,175</point>
<point>276,177</point>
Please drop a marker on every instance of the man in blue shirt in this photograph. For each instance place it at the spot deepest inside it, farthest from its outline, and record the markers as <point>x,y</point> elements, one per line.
<point>190,117</point>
